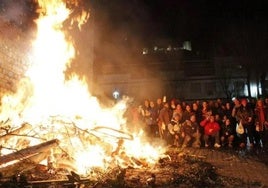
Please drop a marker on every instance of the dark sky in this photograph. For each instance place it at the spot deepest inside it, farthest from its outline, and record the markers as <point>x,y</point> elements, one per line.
<point>200,21</point>
<point>167,18</point>
<point>148,21</point>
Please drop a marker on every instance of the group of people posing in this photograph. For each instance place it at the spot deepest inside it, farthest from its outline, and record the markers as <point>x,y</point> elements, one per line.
<point>235,123</point>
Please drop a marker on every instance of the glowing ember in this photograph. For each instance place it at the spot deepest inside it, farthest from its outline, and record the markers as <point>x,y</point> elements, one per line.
<point>90,136</point>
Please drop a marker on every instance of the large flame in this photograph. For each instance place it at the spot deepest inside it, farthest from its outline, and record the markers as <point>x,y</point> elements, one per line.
<point>64,109</point>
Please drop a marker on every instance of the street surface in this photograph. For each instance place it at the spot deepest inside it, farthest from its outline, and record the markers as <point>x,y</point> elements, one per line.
<point>250,166</point>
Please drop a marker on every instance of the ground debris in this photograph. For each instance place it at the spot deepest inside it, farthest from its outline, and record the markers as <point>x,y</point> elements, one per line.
<point>182,170</point>
<point>177,169</point>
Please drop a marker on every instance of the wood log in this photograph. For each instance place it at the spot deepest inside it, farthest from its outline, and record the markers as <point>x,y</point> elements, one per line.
<point>23,165</point>
<point>15,132</point>
<point>43,147</point>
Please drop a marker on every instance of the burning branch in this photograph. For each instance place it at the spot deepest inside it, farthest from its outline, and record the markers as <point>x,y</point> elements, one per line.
<point>107,131</point>
<point>4,127</point>
<point>23,165</point>
<point>43,147</point>
<point>25,159</point>
<point>15,132</point>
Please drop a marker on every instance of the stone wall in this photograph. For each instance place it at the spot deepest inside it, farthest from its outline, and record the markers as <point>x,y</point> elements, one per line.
<point>13,56</point>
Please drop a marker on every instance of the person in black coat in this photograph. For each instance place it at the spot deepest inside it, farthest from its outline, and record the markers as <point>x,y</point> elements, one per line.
<point>227,133</point>
<point>190,133</point>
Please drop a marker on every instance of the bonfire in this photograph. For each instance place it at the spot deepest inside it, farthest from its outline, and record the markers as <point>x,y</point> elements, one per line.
<point>55,124</point>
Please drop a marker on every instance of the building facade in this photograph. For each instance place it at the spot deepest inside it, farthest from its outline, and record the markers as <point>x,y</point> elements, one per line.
<point>178,73</point>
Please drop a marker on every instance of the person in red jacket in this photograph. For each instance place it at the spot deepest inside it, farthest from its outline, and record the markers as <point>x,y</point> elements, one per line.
<point>211,130</point>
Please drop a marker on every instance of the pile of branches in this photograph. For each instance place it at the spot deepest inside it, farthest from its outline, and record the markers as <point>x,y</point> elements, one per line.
<point>176,169</point>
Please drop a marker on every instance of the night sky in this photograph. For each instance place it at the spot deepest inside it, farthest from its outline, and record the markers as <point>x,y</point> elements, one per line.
<point>132,23</point>
<point>205,23</point>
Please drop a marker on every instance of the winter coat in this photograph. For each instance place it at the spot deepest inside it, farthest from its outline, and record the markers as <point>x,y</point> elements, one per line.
<point>210,128</point>
<point>189,127</point>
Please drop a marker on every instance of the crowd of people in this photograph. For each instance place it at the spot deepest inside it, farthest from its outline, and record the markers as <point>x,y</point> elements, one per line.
<point>240,123</point>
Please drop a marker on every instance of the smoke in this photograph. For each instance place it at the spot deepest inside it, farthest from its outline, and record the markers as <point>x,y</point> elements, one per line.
<point>18,12</point>
<point>111,43</point>
<point>120,34</point>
